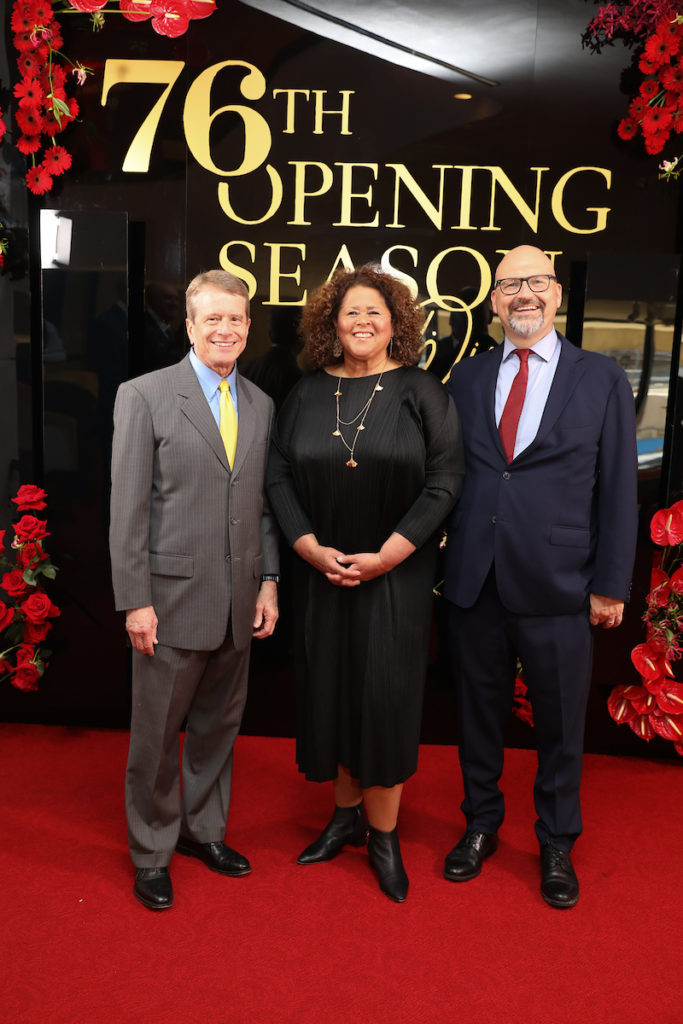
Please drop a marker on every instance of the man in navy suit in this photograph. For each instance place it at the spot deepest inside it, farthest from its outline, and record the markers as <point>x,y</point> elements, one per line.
<point>540,548</point>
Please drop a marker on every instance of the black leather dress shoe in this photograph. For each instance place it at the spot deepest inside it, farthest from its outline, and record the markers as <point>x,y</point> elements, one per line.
<point>559,884</point>
<point>217,856</point>
<point>153,888</point>
<point>465,860</point>
<point>347,827</point>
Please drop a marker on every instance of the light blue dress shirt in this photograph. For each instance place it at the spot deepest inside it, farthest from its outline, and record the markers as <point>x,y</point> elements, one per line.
<point>210,382</point>
<point>543,359</point>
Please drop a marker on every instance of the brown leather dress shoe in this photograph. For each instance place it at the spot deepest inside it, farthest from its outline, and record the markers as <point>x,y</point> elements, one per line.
<point>559,884</point>
<point>217,856</point>
<point>465,860</point>
<point>153,888</point>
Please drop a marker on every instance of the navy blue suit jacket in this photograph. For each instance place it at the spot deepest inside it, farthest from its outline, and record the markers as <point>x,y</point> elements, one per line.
<point>561,519</point>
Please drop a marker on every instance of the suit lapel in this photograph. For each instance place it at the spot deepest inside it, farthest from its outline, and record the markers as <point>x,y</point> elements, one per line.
<point>194,405</point>
<point>246,426</point>
<point>569,371</point>
<point>487,396</point>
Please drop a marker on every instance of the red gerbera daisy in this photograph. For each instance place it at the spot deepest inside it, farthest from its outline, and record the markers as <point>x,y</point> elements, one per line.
<point>637,108</point>
<point>672,78</point>
<point>29,63</point>
<point>656,142</point>
<point>657,119</point>
<point>29,92</point>
<point>42,12</point>
<point>627,128</point>
<point>28,144</point>
<point>649,89</point>
<point>659,48</point>
<point>56,160</point>
<point>646,66</point>
<point>38,181</point>
<point>22,19</point>
<point>30,120</point>
<point>23,41</point>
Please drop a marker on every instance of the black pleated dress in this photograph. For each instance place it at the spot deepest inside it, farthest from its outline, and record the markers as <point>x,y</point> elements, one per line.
<point>362,651</point>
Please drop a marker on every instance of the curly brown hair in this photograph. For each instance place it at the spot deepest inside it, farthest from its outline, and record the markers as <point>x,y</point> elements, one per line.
<point>318,321</point>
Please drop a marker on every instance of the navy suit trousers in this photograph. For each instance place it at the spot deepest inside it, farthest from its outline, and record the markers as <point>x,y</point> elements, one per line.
<point>556,654</point>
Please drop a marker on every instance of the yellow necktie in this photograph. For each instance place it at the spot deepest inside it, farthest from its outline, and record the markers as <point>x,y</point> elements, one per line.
<point>228,421</point>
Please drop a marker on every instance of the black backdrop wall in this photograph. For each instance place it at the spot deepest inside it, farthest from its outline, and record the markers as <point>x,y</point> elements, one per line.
<point>280,144</point>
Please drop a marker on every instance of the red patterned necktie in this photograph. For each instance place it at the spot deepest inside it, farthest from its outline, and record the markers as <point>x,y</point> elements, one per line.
<point>507,428</point>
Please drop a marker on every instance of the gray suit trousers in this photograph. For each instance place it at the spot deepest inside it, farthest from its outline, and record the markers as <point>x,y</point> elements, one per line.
<point>210,687</point>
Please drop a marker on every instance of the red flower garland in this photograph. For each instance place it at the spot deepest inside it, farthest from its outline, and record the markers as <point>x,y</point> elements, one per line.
<point>44,108</point>
<point>24,615</point>
<point>656,27</point>
<point>655,708</point>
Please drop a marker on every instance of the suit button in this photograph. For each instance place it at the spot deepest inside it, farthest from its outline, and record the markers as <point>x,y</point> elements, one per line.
<point>506,475</point>
<point>493,520</point>
<point>234,522</point>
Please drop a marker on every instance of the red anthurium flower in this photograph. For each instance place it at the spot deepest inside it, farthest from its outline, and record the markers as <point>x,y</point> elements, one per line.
<point>677,581</point>
<point>678,747</point>
<point>169,18</point>
<point>627,128</point>
<point>136,10</point>
<point>88,6</point>
<point>666,527</point>
<point>669,727</point>
<point>642,700</point>
<point>201,8</point>
<point>38,181</point>
<point>29,92</point>
<point>642,727</point>
<point>619,706</point>
<point>649,662</point>
<point>56,160</point>
<point>670,699</point>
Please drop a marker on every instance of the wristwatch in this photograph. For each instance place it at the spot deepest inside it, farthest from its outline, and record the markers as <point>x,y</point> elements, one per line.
<point>271,576</point>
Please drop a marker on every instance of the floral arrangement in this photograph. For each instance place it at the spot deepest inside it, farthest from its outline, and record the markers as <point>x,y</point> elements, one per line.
<point>655,707</point>
<point>655,29</point>
<point>45,107</point>
<point>24,616</point>
<point>521,705</point>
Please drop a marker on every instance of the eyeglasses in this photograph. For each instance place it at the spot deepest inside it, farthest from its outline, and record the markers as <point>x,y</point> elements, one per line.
<point>537,283</point>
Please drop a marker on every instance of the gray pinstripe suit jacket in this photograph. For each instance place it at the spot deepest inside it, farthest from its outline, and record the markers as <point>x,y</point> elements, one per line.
<point>187,535</point>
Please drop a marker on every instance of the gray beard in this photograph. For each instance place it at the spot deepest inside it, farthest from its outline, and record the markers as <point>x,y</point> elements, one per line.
<point>526,326</point>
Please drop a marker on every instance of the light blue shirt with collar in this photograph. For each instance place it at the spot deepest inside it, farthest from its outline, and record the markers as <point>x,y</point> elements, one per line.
<point>543,360</point>
<point>210,382</point>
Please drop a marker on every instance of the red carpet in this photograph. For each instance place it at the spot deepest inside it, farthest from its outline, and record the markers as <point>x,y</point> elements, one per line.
<point>321,944</point>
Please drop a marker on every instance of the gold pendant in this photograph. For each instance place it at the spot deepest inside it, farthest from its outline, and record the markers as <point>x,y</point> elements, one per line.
<point>361,427</point>
<point>352,463</point>
<point>379,388</point>
<point>338,394</point>
<point>336,433</point>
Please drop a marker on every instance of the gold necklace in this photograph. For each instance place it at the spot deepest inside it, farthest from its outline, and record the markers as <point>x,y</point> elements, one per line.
<point>351,463</point>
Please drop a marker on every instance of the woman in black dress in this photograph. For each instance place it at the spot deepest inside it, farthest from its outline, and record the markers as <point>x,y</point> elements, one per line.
<point>365,466</point>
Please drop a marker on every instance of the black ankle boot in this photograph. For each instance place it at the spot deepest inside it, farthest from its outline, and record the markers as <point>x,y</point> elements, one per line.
<point>385,858</point>
<point>348,827</point>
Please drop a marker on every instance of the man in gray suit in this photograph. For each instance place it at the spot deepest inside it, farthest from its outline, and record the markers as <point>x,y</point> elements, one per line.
<point>194,556</point>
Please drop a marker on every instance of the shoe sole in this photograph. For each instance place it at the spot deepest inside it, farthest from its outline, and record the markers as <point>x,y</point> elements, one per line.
<point>150,905</point>
<point>563,905</point>
<point>212,867</point>
<point>461,878</point>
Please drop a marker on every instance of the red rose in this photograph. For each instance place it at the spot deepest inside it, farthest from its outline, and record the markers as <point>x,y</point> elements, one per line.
<point>6,616</point>
<point>29,496</point>
<point>13,583</point>
<point>30,528</point>
<point>25,654</point>
<point>38,607</point>
<point>29,553</point>
<point>2,540</point>
<point>35,634</point>
<point>25,678</point>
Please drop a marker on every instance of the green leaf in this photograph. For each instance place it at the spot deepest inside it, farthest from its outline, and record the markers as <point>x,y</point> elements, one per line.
<point>50,571</point>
